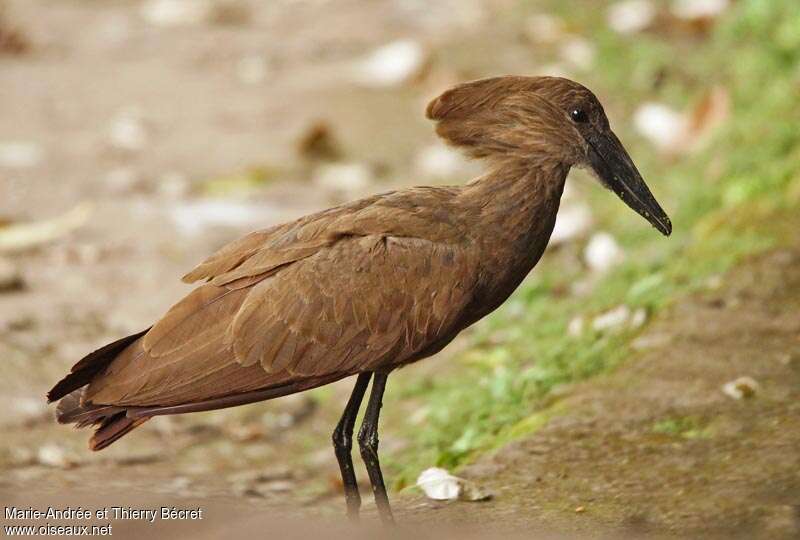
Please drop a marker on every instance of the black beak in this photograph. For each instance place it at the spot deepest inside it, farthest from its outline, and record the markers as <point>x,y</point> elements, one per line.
<point>616,171</point>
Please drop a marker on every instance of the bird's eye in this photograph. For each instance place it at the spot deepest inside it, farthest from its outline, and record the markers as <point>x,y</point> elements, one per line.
<point>578,115</point>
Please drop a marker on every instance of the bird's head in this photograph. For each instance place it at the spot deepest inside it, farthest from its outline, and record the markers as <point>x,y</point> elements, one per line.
<point>542,120</point>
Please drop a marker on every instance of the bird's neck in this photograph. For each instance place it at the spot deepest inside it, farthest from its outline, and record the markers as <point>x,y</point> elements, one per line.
<point>518,199</point>
<point>517,205</point>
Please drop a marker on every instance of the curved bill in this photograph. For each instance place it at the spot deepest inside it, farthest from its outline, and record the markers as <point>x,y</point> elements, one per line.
<point>612,164</point>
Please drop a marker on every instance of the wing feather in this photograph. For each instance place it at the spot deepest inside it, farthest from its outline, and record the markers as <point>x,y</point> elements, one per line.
<point>350,289</point>
<point>380,296</point>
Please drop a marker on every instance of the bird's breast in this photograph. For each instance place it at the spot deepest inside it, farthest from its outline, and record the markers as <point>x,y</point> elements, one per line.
<point>510,256</point>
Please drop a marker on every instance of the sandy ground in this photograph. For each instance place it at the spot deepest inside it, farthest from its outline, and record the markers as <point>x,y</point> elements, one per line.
<point>610,460</point>
<point>654,449</point>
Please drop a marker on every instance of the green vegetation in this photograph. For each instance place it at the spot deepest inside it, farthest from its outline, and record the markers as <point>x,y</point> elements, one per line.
<point>238,185</point>
<point>737,195</point>
<point>687,427</point>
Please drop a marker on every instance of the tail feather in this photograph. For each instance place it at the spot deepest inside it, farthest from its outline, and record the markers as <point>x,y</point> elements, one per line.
<point>114,421</point>
<point>84,371</point>
<point>111,420</point>
<point>71,410</point>
<point>112,428</point>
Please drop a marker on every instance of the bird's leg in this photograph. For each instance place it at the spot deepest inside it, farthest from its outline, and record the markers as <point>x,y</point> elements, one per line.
<point>368,444</point>
<point>343,443</point>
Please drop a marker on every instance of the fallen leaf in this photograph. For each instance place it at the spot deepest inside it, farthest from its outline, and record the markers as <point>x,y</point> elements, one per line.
<point>440,485</point>
<point>318,142</point>
<point>24,236</point>
<point>12,40</point>
<point>673,131</point>
<point>230,13</point>
<point>708,114</point>
<point>612,319</point>
<point>10,277</point>
<point>472,492</point>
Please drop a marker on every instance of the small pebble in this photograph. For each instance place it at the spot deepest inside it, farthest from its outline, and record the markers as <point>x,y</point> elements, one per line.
<point>573,221</point>
<point>127,131</point>
<point>741,388</point>
<point>544,28</point>
<point>663,126</point>
<point>631,16</point>
<point>638,318</point>
<point>575,326</point>
<point>651,341</point>
<point>169,13</point>
<point>20,154</point>
<point>696,10</point>
<point>440,162</point>
<point>578,52</point>
<point>173,185</point>
<point>30,410</point>
<point>123,180</point>
<point>391,65</point>
<point>53,456</point>
<point>348,178</point>
<point>252,69</point>
<point>602,252</point>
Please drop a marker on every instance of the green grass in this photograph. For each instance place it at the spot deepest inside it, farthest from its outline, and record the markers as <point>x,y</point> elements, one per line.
<point>727,201</point>
<point>686,427</point>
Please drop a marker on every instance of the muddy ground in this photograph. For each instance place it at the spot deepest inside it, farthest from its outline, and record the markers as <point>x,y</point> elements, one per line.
<point>655,449</point>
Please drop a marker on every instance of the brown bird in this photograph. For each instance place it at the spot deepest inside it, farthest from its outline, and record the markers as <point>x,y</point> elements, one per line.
<point>366,287</point>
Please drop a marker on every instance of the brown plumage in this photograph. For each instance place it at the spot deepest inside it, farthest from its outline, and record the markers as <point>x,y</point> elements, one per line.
<point>369,286</point>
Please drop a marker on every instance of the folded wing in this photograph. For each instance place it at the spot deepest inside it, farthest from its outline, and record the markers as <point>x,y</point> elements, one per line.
<point>352,303</point>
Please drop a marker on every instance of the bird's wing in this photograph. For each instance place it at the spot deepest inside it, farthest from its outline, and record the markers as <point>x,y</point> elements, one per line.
<point>367,302</point>
<point>263,251</point>
<point>415,213</point>
<point>353,303</point>
<point>183,358</point>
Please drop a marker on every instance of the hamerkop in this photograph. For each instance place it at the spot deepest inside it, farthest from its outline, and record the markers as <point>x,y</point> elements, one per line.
<point>366,287</point>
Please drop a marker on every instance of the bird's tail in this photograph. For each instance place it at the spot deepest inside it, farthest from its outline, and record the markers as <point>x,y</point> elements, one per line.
<point>111,420</point>
<point>84,371</point>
